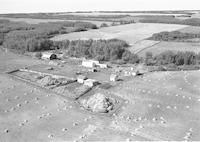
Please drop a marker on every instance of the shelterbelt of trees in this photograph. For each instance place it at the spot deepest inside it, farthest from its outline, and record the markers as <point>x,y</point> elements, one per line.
<point>21,37</point>
<point>172,58</point>
<point>174,36</point>
<point>102,50</point>
<point>169,20</point>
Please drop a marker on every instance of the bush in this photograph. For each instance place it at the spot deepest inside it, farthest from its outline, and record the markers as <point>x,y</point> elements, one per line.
<point>170,20</point>
<point>24,37</point>
<point>38,55</point>
<point>173,36</point>
<point>104,25</point>
<point>175,59</point>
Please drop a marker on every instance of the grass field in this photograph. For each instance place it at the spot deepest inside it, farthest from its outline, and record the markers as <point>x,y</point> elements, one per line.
<point>164,105</point>
<point>130,33</point>
<point>173,46</point>
<point>190,29</point>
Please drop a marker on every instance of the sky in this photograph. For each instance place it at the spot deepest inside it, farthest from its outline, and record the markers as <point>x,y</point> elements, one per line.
<point>32,6</point>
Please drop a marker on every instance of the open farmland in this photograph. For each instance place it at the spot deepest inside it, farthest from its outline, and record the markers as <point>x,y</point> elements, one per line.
<point>100,89</point>
<point>163,106</point>
<point>158,106</point>
<point>172,46</point>
<point>132,33</point>
<point>190,29</point>
<point>121,13</point>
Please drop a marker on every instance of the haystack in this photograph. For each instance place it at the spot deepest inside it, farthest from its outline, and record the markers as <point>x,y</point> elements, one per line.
<point>98,103</point>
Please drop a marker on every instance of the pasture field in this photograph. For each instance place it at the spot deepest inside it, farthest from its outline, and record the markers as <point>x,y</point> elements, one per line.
<point>130,33</point>
<point>173,46</point>
<point>162,106</point>
<point>190,29</point>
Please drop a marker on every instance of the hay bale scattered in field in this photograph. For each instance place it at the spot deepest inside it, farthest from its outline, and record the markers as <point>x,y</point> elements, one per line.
<point>98,103</point>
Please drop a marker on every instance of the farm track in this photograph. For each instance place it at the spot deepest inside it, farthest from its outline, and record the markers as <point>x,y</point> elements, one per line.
<point>138,51</point>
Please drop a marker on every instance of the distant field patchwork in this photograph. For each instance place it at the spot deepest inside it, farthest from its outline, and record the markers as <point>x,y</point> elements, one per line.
<point>130,33</point>
<point>36,21</point>
<point>134,34</point>
<point>191,29</point>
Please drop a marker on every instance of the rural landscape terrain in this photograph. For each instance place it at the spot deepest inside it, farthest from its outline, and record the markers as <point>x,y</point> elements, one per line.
<point>100,76</point>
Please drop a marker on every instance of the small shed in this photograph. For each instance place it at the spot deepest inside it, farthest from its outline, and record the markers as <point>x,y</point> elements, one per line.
<point>92,70</point>
<point>113,77</point>
<point>90,82</point>
<point>102,65</point>
<point>89,63</point>
<point>81,78</point>
<point>49,56</point>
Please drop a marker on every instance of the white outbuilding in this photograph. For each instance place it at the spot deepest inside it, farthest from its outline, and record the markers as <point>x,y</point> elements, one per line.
<point>113,77</point>
<point>49,56</point>
<point>89,63</point>
<point>90,82</point>
<point>103,66</point>
<point>81,78</point>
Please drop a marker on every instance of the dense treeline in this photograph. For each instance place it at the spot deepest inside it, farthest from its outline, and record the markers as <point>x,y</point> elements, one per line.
<point>102,50</point>
<point>66,16</point>
<point>173,36</point>
<point>22,37</point>
<point>170,20</point>
<point>171,58</point>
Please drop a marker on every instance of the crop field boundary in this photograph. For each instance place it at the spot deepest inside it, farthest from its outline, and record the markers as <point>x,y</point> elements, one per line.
<point>146,48</point>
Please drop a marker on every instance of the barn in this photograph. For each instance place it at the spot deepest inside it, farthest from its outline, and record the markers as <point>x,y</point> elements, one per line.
<point>49,56</point>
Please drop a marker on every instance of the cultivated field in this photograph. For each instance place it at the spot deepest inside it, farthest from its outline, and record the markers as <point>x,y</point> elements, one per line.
<point>197,15</point>
<point>173,46</point>
<point>134,34</point>
<point>130,33</point>
<point>190,29</point>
